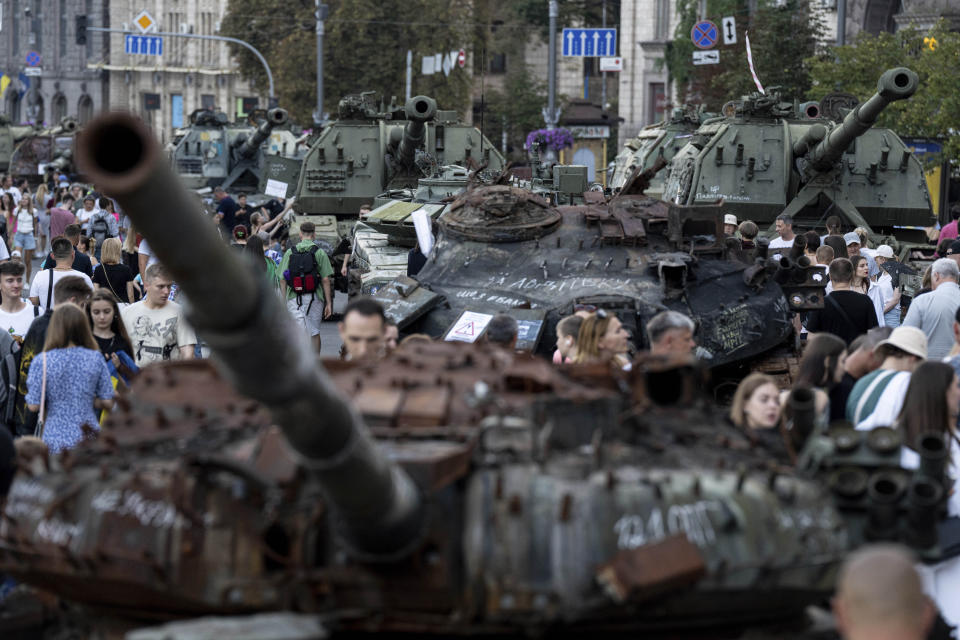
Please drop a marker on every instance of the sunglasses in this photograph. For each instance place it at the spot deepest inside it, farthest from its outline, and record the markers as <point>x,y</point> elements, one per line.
<point>590,308</point>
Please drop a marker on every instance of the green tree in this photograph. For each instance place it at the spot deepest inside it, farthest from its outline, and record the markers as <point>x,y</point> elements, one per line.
<point>933,112</point>
<point>365,48</point>
<point>781,39</point>
<point>517,109</point>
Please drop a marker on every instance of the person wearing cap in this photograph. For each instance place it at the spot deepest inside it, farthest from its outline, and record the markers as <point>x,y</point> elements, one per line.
<point>876,398</point>
<point>855,248</point>
<point>309,310</point>
<point>784,240</point>
<point>846,313</point>
<point>934,312</point>
<point>730,225</point>
<point>889,294</point>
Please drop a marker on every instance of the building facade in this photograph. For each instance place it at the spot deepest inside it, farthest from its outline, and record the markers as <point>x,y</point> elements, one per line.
<point>190,74</point>
<point>48,72</point>
<point>646,90</point>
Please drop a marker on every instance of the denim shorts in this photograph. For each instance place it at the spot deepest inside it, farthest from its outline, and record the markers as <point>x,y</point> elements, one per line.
<point>25,241</point>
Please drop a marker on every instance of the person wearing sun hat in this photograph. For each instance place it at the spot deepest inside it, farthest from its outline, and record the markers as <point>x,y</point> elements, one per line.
<point>876,398</point>
<point>730,225</point>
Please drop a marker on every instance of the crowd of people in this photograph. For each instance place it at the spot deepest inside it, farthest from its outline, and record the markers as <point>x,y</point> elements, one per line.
<point>101,306</point>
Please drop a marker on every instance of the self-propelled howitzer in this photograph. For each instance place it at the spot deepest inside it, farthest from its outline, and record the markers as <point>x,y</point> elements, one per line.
<point>771,157</point>
<point>250,146</point>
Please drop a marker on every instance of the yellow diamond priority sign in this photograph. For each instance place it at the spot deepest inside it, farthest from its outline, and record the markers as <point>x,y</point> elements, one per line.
<point>144,21</point>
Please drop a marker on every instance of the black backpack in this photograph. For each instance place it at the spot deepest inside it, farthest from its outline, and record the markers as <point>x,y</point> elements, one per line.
<point>99,229</point>
<point>303,273</point>
<point>9,375</point>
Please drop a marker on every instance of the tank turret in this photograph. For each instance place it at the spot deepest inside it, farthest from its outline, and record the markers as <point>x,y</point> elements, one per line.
<point>769,156</point>
<point>377,502</point>
<point>250,146</point>
<point>45,147</point>
<point>894,84</point>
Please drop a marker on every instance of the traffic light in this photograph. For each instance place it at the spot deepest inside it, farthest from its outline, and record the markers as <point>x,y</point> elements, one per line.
<point>81,29</point>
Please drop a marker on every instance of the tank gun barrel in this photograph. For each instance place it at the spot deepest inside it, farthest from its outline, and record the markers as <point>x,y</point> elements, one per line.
<point>275,118</point>
<point>894,84</point>
<point>256,344</point>
<point>67,125</point>
<point>419,109</point>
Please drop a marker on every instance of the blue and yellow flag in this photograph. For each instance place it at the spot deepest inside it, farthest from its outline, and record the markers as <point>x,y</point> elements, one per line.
<point>5,81</point>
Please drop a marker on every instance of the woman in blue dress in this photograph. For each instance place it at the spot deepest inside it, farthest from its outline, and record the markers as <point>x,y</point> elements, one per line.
<point>77,379</point>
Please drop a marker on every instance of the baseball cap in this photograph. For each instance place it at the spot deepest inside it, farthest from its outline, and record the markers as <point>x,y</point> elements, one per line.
<point>16,253</point>
<point>851,238</point>
<point>729,219</point>
<point>909,339</point>
<point>884,251</point>
<point>954,248</point>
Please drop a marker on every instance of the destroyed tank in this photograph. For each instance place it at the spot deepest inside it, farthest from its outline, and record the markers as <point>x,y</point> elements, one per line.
<point>382,240</point>
<point>504,249</point>
<point>213,152</point>
<point>368,151</point>
<point>51,147</point>
<point>661,140</point>
<point>10,136</point>
<point>463,491</point>
<point>771,157</point>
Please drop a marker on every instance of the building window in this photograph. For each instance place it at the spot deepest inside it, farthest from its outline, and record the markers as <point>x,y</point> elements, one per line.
<point>13,106</point>
<point>656,102</point>
<point>176,111</point>
<point>59,108</point>
<point>661,23</point>
<point>85,109</point>
<point>208,101</point>
<point>498,63</point>
<point>35,111</point>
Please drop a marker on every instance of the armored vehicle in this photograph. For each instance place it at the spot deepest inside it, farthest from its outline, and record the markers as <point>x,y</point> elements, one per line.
<point>50,147</point>
<point>10,135</point>
<point>382,241</point>
<point>213,152</point>
<point>772,157</point>
<point>367,151</point>
<point>463,491</point>
<point>504,249</point>
<point>661,140</point>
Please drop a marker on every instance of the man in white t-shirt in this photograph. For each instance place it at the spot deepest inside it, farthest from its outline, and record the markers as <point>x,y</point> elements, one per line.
<point>156,326</point>
<point>41,289</point>
<point>145,259</point>
<point>15,314</point>
<point>784,241</point>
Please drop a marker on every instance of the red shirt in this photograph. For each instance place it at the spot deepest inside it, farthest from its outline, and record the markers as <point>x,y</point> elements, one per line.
<point>949,231</point>
<point>59,219</point>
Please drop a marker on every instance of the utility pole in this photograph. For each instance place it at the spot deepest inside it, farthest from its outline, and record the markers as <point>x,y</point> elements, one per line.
<point>603,74</point>
<point>703,9</point>
<point>318,116</point>
<point>841,22</point>
<point>551,114</point>
<point>409,73</point>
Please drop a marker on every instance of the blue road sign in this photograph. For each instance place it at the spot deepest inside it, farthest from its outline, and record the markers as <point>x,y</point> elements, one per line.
<point>143,45</point>
<point>704,34</point>
<point>33,59</point>
<point>578,43</point>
